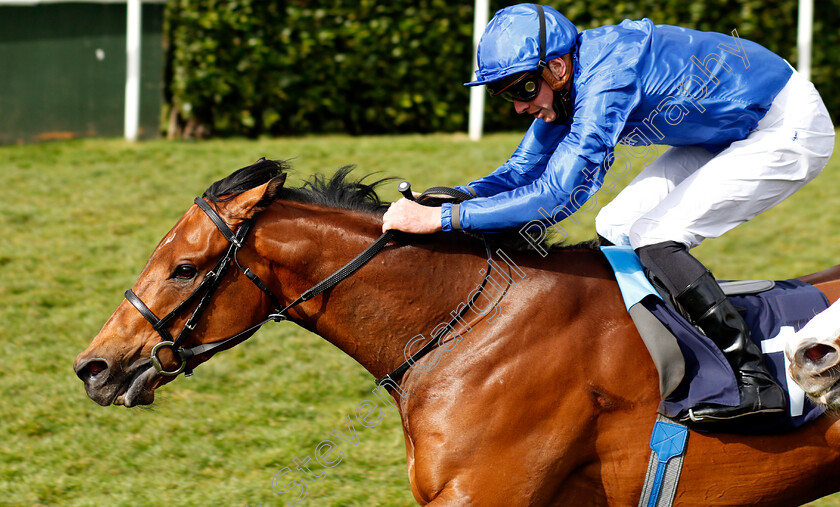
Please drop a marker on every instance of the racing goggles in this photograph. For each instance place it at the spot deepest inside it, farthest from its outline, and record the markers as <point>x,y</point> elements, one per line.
<point>523,87</point>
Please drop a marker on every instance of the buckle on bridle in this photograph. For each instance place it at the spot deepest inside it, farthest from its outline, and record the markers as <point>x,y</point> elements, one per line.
<point>159,367</point>
<point>277,317</point>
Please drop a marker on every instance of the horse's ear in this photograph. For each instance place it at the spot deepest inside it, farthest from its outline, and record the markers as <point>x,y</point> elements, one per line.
<point>251,202</point>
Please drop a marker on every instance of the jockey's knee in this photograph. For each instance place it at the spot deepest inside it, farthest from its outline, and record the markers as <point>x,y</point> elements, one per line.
<point>648,231</point>
<point>609,226</point>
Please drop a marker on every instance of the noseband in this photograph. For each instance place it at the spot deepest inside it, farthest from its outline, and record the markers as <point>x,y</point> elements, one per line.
<point>204,293</point>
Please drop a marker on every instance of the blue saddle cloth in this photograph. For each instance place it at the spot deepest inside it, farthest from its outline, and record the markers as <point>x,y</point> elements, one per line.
<point>772,317</point>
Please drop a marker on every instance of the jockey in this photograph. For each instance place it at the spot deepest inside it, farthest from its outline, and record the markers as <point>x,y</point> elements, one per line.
<point>745,131</point>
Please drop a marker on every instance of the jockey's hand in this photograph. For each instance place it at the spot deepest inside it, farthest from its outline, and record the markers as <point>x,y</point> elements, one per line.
<point>408,216</point>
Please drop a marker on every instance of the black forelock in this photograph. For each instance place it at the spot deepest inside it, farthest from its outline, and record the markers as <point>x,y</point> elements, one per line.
<point>242,180</point>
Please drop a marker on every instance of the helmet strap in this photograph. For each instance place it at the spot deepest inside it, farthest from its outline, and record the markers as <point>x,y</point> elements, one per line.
<point>541,12</point>
<point>564,106</point>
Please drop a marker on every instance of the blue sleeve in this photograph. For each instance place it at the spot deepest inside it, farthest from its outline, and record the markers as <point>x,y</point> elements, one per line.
<point>527,163</point>
<point>576,169</point>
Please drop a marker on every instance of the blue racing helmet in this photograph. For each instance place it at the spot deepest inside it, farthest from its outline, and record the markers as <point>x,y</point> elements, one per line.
<point>512,43</point>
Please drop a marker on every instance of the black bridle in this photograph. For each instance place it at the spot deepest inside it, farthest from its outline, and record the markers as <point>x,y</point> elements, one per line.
<point>203,293</point>
<point>205,290</point>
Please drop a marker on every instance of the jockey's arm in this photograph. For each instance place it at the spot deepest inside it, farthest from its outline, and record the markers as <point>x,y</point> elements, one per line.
<point>567,182</point>
<point>525,165</point>
<point>575,170</point>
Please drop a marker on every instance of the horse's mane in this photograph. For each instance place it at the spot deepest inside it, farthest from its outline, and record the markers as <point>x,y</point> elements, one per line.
<point>339,191</point>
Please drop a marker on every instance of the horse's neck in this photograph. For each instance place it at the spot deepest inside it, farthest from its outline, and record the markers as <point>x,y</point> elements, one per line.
<point>372,314</point>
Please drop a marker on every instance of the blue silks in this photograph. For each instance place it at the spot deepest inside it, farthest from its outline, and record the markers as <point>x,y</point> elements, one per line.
<point>636,84</point>
<point>511,41</point>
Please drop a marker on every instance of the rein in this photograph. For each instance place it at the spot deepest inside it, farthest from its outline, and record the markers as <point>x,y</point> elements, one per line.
<point>205,290</point>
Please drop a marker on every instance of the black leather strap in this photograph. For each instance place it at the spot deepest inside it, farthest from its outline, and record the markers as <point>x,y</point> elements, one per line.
<point>451,192</point>
<point>362,259</point>
<point>456,194</point>
<point>541,12</point>
<point>260,284</point>
<point>217,220</point>
<point>204,348</point>
<point>435,341</point>
<point>149,315</point>
<point>204,291</point>
<point>349,268</point>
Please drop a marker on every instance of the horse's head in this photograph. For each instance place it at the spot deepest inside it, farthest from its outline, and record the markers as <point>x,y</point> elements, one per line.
<point>814,354</point>
<point>117,367</point>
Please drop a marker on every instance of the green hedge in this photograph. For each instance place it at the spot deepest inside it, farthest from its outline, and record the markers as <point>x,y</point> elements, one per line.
<point>252,67</point>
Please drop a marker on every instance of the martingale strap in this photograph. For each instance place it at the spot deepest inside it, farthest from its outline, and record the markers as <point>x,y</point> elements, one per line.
<point>437,339</point>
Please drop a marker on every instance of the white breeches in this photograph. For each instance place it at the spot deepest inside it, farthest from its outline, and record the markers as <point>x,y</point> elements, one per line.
<point>689,194</point>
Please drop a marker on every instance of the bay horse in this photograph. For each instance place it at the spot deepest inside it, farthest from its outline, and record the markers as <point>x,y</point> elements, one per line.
<point>545,397</point>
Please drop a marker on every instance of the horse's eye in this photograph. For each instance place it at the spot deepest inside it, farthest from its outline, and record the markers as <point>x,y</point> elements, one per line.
<point>185,272</point>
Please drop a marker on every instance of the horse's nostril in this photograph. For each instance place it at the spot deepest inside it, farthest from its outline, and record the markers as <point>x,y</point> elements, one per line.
<point>818,352</point>
<point>94,368</point>
<point>91,369</point>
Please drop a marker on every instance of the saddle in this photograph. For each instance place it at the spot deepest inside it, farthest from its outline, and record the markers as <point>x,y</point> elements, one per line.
<point>692,370</point>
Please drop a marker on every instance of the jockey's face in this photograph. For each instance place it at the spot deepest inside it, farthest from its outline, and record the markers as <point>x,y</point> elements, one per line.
<point>541,106</point>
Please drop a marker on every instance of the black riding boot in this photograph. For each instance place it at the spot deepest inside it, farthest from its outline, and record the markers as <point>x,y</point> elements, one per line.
<point>704,304</point>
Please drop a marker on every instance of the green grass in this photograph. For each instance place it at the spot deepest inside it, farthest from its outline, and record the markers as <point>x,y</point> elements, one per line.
<point>79,220</point>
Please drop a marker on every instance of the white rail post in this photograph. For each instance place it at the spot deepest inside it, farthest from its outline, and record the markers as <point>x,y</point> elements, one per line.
<point>477,93</point>
<point>132,79</point>
<point>804,36</point>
